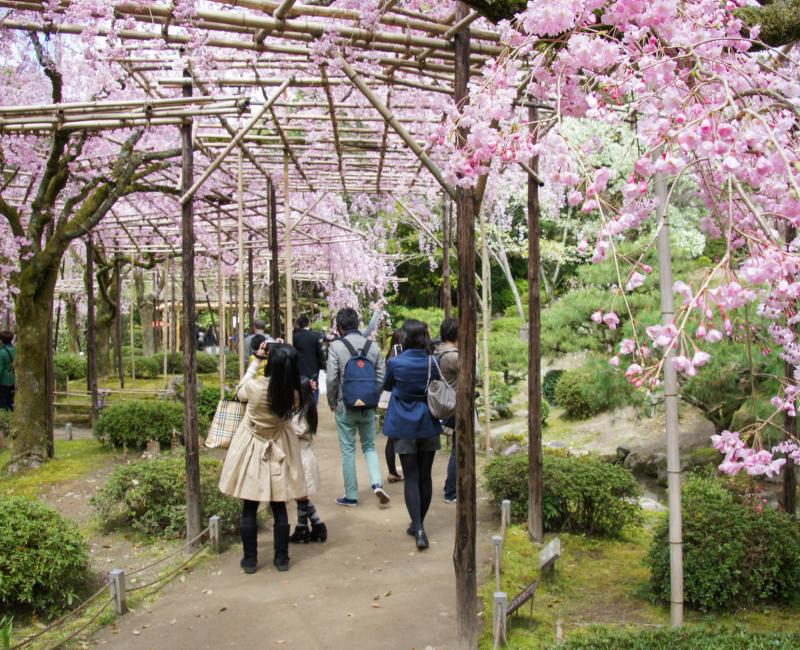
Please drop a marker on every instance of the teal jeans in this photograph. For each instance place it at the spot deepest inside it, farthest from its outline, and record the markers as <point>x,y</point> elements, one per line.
<point>348,423</point>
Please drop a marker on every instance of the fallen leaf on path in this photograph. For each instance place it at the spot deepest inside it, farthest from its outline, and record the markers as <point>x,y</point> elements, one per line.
<point>223,609</point>
<point>387,594</point>
<point>173,621</point>
<point>377,605</point>
<point>280,641</point>
<point>183,578</point>
<point>136,632</point>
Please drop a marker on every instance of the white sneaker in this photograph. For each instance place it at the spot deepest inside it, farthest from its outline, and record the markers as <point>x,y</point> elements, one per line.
<point>381,494</point>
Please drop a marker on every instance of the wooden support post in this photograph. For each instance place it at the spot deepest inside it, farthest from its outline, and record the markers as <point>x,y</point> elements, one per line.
<point>499,618</point>
<point>497,546</point>
<point>91,340</point>
<point>275,286</point>
<point>221,308</point>
<point>133,347</point>
<point>173,313</point>
<point>287,228</point>
<point>485,325</point>
<point>190,438</point>
<point>466,520</point>
<point>535,485</point>
<point>251,316</point>
<point>118,320</point>
<point>214,532</point>
<point>166,336</point>
<point>240,266</point>
<point>447,285</point>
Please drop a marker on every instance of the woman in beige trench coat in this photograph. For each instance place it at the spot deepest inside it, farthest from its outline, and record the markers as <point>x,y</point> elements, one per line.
<point>263,462</point>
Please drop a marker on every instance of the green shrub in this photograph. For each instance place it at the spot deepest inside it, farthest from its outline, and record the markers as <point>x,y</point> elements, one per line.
<point>591,389</point>
<point>175,363</point>
<point>685,638</point>
<point>44,560</point>
<point>581,494</point>
<point>549,384</point>
<point>500,396</point>
<point>149,496</point>
<point>207,363</point>
<point>146,367</point>
<point>732,555</point>
<point>207,400</point>
<point>232,367</point>
<point>131,424</point>
<point>67,367</point>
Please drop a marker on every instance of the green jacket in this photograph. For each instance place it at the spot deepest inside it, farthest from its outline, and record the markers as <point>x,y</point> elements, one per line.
<point>7,355</point>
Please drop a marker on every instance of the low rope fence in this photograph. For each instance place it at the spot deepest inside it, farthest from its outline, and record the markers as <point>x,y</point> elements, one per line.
<point>116,591</point>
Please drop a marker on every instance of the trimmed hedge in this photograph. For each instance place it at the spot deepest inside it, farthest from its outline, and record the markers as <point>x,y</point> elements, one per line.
<point>581,494</point>
<point>733,556</point>
<point>685,638</point>
<point>149,496</point>
<point>130,424</point>
<point>44,560</point>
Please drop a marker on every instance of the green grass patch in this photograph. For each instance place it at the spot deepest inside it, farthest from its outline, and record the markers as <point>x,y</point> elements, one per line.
<point>600,582</point>
<point>73,459</point>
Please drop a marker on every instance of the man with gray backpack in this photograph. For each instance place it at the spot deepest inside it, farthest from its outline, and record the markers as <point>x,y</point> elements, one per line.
<point>354,377</point>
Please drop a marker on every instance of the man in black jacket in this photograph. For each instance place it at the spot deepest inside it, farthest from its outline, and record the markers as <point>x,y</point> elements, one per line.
<point>310,351</point>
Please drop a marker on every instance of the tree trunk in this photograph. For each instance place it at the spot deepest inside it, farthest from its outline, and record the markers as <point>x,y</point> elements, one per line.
<point>447,235</point>
<point>502,260</point>
<point>32,429</point>
<point>74,334</point>
<point>104,323</point>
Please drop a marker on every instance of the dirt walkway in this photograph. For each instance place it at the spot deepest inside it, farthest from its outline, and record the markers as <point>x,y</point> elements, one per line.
<point>368,587</point>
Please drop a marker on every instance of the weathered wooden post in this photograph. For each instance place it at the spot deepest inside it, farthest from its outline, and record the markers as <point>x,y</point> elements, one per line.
<point>191,441</point>
<point>91,341</point>
<point>275,275</point>
<point>466,519</point>
<point>535,486</point>
<point>117,586</point>
<point>447,286</point>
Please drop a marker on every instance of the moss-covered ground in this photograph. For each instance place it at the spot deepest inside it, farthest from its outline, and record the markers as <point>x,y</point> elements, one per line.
<point>599,582</point>
<point>73,460</point>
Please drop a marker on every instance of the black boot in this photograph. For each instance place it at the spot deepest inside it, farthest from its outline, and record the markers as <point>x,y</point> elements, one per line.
<point>250,546</point>
<point>300,535</point>
<point>319,532</point>
<point>281,542</point>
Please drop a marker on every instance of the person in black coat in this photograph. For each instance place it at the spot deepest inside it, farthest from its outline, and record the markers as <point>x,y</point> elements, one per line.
<point>310,351</point>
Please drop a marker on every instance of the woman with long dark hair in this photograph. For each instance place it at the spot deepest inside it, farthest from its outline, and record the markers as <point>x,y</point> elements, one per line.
<point>411,424</point>
<point>264,461</point>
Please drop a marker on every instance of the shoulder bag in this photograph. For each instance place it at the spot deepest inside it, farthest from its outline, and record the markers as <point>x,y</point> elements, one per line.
<point>441,395</point>
<point>227,418</point>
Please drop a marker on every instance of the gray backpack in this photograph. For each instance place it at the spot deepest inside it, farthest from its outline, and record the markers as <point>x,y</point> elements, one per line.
<point>441,395</point>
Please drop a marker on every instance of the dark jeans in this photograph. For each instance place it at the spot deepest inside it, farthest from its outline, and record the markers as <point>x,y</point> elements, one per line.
<point>7,398</point>
<point>450,481</point>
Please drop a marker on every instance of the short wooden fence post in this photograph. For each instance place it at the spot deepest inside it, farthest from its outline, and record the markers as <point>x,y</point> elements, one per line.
<point>213,532</point>
<point>497,543</point>
<point>117,586</point>
<point>499,619</point>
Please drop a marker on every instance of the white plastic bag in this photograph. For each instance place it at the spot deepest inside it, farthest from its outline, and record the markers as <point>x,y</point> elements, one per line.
<point>322,382</point>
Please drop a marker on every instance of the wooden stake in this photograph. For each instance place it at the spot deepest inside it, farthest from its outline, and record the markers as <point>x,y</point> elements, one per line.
<point>133,347</point>
<point>275,286</point>
<point>535,486</point>
<point>250,288</point>
<point>118,320</point>
<point>91,340</point>
<point>287,227</point>
<point>166,336</point>
<point>447,285</point>
<point>466,519</point>
<point>486,324</point>
<point>191,441</point>
<point>240,265</point>
<point>221,308</point>
<point>789,422</point>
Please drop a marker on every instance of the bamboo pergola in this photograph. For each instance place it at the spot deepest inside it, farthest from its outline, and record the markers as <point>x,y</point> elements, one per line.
<point>251,103</point>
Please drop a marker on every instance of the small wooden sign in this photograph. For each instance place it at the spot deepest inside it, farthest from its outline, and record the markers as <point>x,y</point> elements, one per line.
<point>550,553</point>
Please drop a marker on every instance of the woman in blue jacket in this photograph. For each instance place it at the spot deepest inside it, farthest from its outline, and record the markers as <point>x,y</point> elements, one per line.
<point>409,421</point>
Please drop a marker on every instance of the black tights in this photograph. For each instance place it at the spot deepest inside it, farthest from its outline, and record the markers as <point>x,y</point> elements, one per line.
<point>389,452</point>
<point>418,486</point>
<point>250,508</point>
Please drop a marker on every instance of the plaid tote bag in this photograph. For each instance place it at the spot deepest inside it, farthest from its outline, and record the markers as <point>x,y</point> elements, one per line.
<point>227,418</point>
